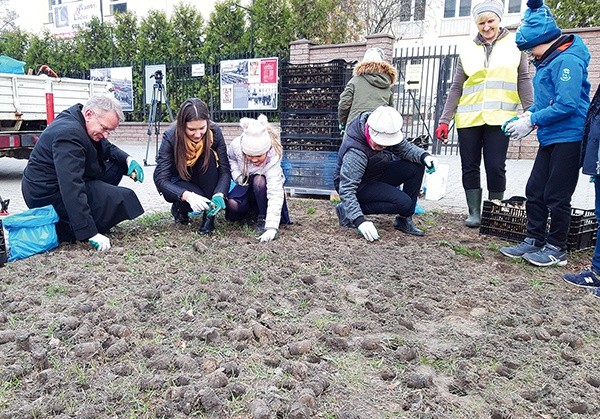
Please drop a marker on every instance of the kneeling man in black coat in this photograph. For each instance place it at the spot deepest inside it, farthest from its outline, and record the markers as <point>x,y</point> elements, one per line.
<point>74,168</point>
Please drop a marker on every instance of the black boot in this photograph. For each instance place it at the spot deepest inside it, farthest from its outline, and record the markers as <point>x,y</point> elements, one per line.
<point>406,225</point>
<point>260,225</point>
<point>208,225</point>
<point>179,216</point>
<point>474,204</point>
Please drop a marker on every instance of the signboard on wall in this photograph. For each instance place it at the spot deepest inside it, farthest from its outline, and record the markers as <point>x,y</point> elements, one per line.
<point>249,83</point>
<point>69,18</point>
<point>122,80</point>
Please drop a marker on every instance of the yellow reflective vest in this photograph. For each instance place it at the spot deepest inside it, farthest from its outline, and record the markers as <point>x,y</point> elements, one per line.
<point>490,95</point>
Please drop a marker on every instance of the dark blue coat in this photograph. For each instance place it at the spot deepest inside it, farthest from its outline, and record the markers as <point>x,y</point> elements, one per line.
<point>591,139</point>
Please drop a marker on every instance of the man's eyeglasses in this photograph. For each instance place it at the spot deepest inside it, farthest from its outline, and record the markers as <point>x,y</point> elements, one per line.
<point>105,129</point>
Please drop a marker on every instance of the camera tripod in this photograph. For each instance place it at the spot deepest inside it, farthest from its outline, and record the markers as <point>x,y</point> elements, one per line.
<point>158,94</point>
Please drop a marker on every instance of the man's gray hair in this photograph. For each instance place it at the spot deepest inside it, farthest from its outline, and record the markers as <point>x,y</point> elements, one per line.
<point>105,103</point>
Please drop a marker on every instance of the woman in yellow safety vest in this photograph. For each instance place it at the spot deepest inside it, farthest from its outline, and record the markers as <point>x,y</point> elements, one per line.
<point>490,82</point>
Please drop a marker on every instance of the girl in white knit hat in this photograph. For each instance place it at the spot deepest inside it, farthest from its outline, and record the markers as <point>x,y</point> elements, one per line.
<point>255,161</point>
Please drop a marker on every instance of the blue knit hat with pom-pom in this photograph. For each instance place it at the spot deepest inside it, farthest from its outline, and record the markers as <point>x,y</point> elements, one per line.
<point>537,26</point>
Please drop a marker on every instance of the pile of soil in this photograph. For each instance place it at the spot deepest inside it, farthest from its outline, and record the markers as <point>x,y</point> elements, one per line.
<point>318,323</point>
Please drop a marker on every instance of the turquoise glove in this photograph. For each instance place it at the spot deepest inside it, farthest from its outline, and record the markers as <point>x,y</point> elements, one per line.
<point>135,172</point>
<point>430,164</point>
<point>218,203</point>
<point>514,118</point>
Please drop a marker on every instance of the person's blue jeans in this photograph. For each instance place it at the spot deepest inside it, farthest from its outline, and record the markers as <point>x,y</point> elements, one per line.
<point>596,257</point>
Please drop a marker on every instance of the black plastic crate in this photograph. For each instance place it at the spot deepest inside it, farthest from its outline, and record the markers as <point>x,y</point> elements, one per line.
<point>310,144</point>
<point>309,99</point>
<point>310,125</point>
<point>509,221</point>
<point>332,73</point>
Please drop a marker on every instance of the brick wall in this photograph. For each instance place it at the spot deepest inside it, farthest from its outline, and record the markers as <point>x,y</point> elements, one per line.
<point>305,52</point>
<point>136,131</point>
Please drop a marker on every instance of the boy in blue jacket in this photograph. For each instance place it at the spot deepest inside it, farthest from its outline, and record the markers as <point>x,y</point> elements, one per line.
<point>561,101</point>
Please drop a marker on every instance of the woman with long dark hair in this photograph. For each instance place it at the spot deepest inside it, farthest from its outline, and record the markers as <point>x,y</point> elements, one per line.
<point>192,169</point>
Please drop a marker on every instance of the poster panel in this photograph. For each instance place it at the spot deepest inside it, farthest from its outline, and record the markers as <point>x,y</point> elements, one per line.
<point>249,83</point>
<point>122,80</point>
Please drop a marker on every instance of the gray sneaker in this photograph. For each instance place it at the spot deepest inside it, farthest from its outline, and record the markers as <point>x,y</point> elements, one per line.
<point>549,255</point>
<point>526,246</point>
<point>341,213</point>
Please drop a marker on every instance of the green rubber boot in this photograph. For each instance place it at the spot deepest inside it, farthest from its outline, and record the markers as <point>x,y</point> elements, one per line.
<point>474,204</point>
<point>499,196</point>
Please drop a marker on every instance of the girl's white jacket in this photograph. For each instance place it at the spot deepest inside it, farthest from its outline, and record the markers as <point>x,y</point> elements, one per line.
<point>271,170</point>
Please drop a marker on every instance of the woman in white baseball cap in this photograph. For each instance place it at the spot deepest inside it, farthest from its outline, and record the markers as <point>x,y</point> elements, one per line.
<point>373,162</point>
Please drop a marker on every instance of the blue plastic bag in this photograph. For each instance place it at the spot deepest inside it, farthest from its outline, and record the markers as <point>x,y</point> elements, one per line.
<point>30,232</point>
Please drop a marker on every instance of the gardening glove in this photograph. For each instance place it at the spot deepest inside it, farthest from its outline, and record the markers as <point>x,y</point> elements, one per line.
<point>514,118</point>
<point>429,162</point>
<point>342,129</point>
<point>100,242</point>
<point>441,132</point>
<point>134,170</point>
<point>218,203</point>
<point>241,180</point>
<point>521,127</point>
<point>197,202</point>
<point>268,235</point>
<point>368,230</point>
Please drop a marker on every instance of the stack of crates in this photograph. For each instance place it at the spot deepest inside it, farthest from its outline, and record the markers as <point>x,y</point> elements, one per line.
<point>309,123</point>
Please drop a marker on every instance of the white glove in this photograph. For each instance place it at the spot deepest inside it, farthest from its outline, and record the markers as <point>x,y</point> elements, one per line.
<point>521,127</point>
<point>268,235</point>
<point>368,230</point>
<point>198,202</point>
<point>430,163</point>
<point>100,242</point>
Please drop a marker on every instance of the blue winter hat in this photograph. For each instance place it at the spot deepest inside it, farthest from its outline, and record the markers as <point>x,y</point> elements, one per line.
<point>537,26</point>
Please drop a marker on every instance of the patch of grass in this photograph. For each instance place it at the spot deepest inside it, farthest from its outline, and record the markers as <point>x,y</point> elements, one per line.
<point>7,387</point>
<point>393,342</point>
<point>460,249</point>
<point>444,365</point>
<point>494,281</point>
<point>351,369</point>
<point>311,211</point>
<point>54,290</point>
<point>494,246</point>
<point>255,278</point>
<point>536,284</point>
<point>150,220</point>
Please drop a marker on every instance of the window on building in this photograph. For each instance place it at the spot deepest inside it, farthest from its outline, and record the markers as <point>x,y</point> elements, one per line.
<point>514,6</point>
<point>118,6</point>
<point>460,8</point>
<point>412,10</point>
<point>457,8</point>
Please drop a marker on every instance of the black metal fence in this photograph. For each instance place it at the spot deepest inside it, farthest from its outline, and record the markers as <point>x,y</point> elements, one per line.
<point>179,85</point>
<point>424,77</point>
